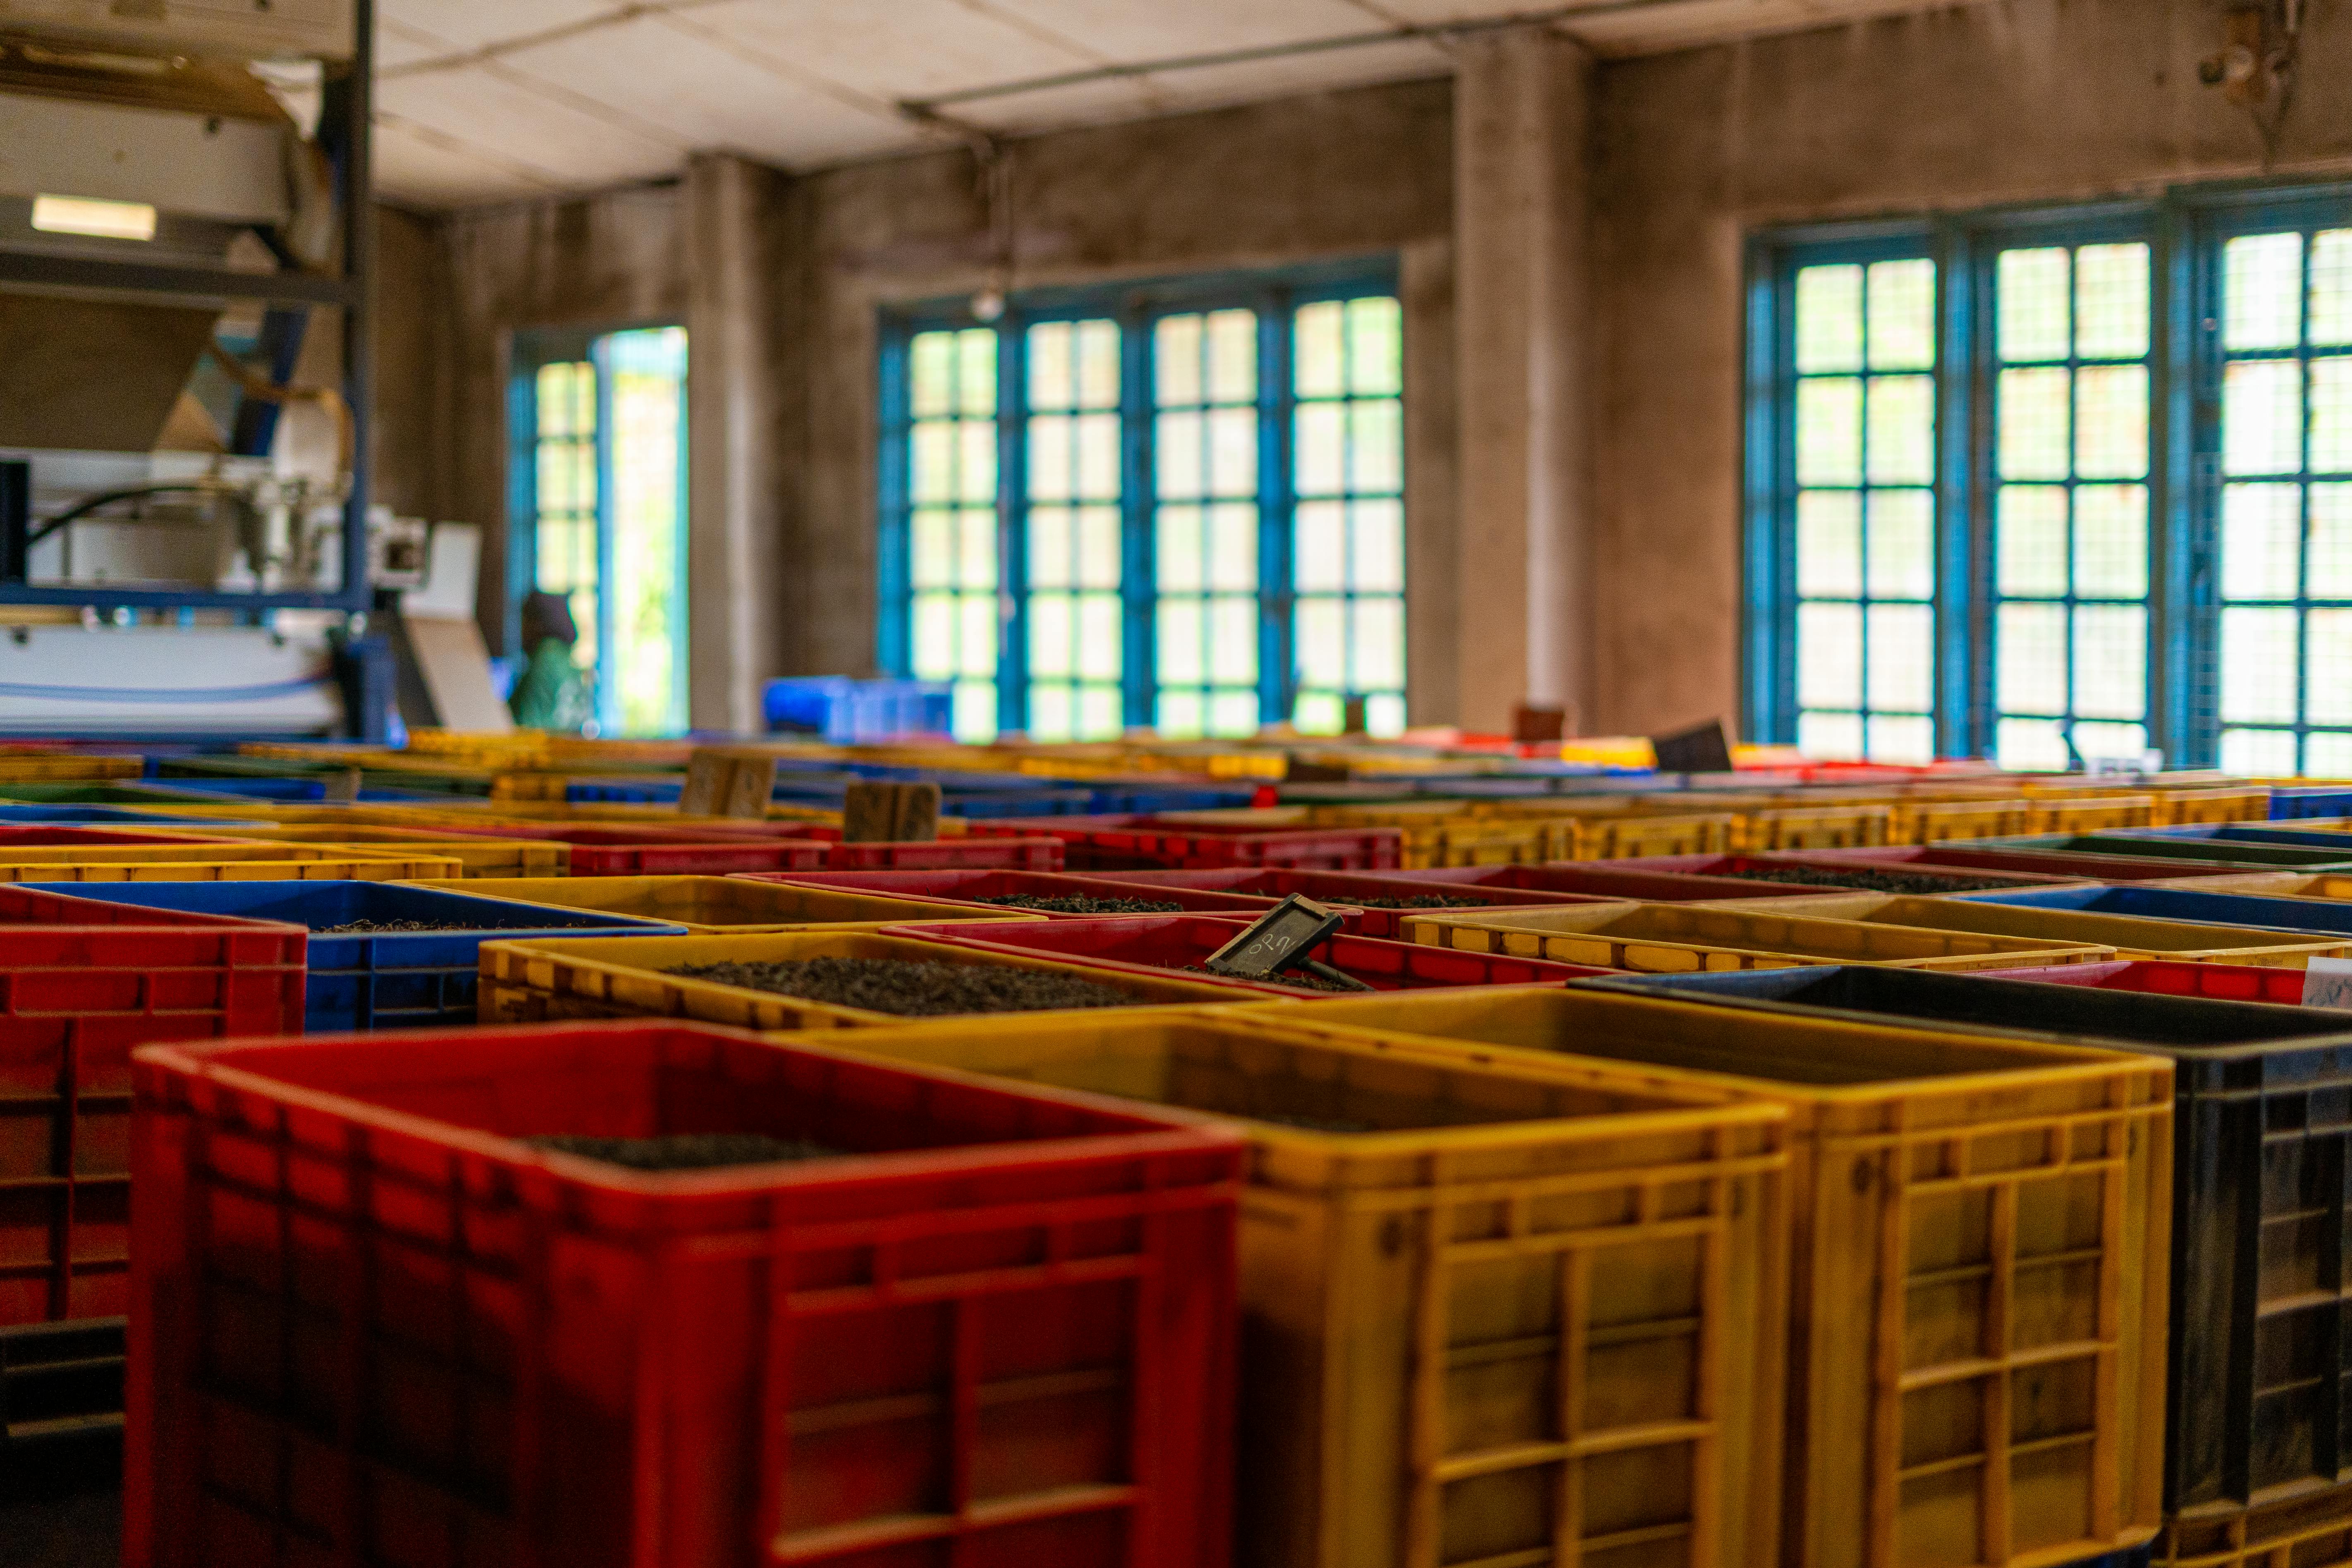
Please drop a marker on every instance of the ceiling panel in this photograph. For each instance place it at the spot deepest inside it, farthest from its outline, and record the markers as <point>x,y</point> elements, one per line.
<point>528,130</point>
<point>1101,102</point>
<point>1165,29</point>
<point>421,170</point>
<point>704,95</point>
<point>470,24</point>
<point>1281,76</point>
<point>1687,24</point>
<point>897,49</point>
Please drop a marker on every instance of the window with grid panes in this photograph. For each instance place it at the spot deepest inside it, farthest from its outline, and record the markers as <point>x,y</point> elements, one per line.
<point>1349,519</point>
<point>953,546</point>
<point>565,463</point>
<point>2071,394</point>
<point>1864,398</point>
<point>1202,497</point>
<point>2285,509</point>
<point>1205,457</point>
<point>1072,531</point>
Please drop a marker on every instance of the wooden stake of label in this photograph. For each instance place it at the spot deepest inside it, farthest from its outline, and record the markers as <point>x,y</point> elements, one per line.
<point>727,784</point>
<point>890,814</point>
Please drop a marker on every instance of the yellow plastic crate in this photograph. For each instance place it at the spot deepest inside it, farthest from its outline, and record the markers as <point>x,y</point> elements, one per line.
<point>1981,1257</point>
<point>1433,1253</point>
<point>2092,813</point>
<point>2129,935</point>
<point>2242,803</point>
<point>630,978</point>
<point>1638,835</point>
<point>1945,821</point>
<point>722,906</point>
<point>479,856</point>
<point>221,863</point>
<point>66,768</point>
<point>1812,827</point>
<point>1661,939</point>
<point>1447,833</point>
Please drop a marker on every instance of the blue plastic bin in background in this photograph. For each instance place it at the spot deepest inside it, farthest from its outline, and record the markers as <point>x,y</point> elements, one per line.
<point>2311,800</point>
<point>845,712</point>
<point>391,980</point>
<point>2325,915</point>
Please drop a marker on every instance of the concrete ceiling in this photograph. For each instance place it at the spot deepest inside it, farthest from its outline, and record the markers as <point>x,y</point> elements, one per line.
<point>481,104</point>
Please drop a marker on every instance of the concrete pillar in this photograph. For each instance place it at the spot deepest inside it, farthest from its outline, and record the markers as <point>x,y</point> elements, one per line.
<point>735,512</point>
<point>1524,346</point>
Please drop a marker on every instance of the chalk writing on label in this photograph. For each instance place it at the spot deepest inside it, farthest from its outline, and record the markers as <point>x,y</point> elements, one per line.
<point>2327,982</point>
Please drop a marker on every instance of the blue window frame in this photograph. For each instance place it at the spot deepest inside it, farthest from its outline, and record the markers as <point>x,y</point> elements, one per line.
<point>1175,504</point>
<point>2134,525</point>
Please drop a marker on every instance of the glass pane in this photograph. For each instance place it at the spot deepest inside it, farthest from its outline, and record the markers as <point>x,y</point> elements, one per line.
<point>1829,544</point>
<point>1379,644</point>
<point>1829,432</point>
<point>2111,304</point>
<point>1232,641</point>
<point>1050,711</point>
<point>2095,740</point>
<point>1051,556</point>
<point>1233,451</point>
<point>1177,457</point>
<point>1316,338</point>
<point>1183,559</point>
<point>1833,736</point>
<point>2261,417</point>
<point>1176,358</point>
<point>1829,656</point>
<point>934,636</point>
<point>1233,713</point>
<point>2328,754</point>
<point>2111,541</point>
<point>1319,713</point>
<point>1903,315</point>
<point>1322,630</point>
<point>2327,691</point>
<point>931,448</point>
<point>1829,318</point>
<point>2111,422</point>
<point>1178,647</point>
<point>2032,675</point>
<point>2261,532</point>
<point>1098,461</point>
<point>933,549</point>
<point>1319,461</point>
<point>2111,661</point>
<point>1898,739</point>
<point>1385,714</point>
<point>1099,561</point>
<point>1097,353</point>
<point>1376,446</point>
<point>976,549</point>
<point>1052,381</point>
<point>1101,713</point>
<point>1100,656</point>
<point>976,626</point>
<point>1902,544</point>
<point>2030,745</point>
<point>931,373</point>
<point>2331,415</point>
<point>1050,623</point>
<point>976,460</point>
<point>1375,540</point>
<point>2331,287</point>
<point>1181,714</point>
<point>2258,667</point>
<point>2262,285</point>
<point>1902,657</point>
<point>1049,460</point>
<point>1232,548</point>
<point>1232,356</point>
<point>1901,430</point>
<point>1375,347</point>
<point>2258,754</point>
<point>975,710</point>
<point>2033,540</point>
<point>2035,423</point>
<point>2328,569</point>
<point>2033,304</point>
<point>1321,564</point>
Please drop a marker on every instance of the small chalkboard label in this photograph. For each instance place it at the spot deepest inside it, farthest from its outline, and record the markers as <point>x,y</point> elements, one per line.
<point>1283,939</point>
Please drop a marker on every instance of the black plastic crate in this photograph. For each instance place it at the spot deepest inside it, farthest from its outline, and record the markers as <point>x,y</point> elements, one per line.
<point>2259,1378</point>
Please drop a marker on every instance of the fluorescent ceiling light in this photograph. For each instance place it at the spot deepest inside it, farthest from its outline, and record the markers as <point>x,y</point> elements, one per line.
<point>100,219</point>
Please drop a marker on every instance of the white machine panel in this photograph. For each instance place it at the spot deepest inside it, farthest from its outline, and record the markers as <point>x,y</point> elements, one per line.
<point>174,679</point>
<point>231,29</point>
<point>229,170</point>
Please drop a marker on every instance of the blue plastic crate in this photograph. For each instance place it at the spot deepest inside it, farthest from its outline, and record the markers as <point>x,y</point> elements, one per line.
<point>2246,833</point>
<point>393,980</point>
<point>110,816</point>
<point>843,710</point>
<point>2311,800</point>
<point>1020,803</point>
<point>2326,915</point>
<point>1143,800</point>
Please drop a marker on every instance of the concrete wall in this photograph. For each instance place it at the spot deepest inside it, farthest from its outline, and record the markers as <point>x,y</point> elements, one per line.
<point>2025,101</point>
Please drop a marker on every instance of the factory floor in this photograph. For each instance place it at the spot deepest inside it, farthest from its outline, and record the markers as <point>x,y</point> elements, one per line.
<point>63,1511</point>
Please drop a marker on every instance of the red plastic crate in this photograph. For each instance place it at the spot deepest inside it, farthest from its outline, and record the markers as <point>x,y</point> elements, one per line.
<point>371,1327</point>
<point>631,851</point>
<point>981,852</point>
<point>1157,943</point>
<point>1136,843</point>
<point>1339,888</point>
<point>74,999</point>
<point>964,887</point>
<point>2220,982</point>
